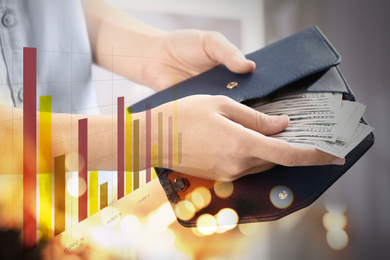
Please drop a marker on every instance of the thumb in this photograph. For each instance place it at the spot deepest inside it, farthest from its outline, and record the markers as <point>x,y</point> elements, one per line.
<point>222,51</point>
<point>255,120</point>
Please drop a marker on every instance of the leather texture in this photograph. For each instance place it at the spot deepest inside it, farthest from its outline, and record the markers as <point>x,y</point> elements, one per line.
<point>303,59</point>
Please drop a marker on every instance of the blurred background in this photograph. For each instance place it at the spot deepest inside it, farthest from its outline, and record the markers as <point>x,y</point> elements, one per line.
<point>349,221</point>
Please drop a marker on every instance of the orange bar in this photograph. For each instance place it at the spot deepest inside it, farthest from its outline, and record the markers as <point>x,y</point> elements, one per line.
<point>103,195</point>
<point>59,194</point>
<point>136,153</point>
<point>129,151</point>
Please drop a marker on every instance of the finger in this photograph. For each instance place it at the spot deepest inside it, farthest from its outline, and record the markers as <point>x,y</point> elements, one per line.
<point>254,120</point>
<point>287,154</point>
<point>222,51</point>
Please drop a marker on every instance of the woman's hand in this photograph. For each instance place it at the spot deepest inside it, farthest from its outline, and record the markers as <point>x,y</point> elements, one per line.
<point>224,140</point>
<point>185,53</point>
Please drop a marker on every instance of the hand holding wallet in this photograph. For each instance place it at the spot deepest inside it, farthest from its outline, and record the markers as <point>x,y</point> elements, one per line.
<point>306,59</point>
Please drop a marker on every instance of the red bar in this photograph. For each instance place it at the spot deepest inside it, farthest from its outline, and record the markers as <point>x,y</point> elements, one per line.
<point>170,141</point>
<point>121,147</point>
<point>29,148</point>
<point>148,143</point>
<point>83,167</point>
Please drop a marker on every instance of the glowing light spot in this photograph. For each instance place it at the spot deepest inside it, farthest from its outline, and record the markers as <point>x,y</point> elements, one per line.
<point>334,220</point>
<point>221,229</point>
<point>72,186</point>
<point>72,160</point>
<point>196,232</point>
<point>130,225</point>
<point>223,189</point>
<point>249,229</point>
<point>200,197</point>
<point>228,218</point>
<point>185,210</point>
<point>337,238</point>
<point>206,224</point>
<point>76,186</point>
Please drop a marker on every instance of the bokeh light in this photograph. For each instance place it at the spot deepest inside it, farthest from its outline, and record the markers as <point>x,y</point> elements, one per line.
<point>337,238</point>
<point>185,210</point>
<point>200,197</point>
<point>334,220</point>
<point>72,159</point>
<point>206,224</point>
<point>76,186</point>
<point>227,218</point>
<point>223,189</point>
<point>249,229</point>
<point>196,232</point>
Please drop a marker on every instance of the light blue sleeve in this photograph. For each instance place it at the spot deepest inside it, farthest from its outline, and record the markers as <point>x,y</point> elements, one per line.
<point>57,28</point>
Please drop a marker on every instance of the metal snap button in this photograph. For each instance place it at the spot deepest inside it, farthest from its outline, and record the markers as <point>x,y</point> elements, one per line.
<point>232,85</point>
<point>281,197</point>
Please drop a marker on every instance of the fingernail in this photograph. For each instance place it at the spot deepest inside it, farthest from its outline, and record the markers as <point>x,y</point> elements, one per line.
<point>282,119</point>
<point>338,161</point>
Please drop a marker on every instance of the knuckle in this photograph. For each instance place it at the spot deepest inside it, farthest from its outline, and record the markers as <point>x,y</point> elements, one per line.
<point>214,35</point>
<point>222,101</point>
<point>290,160</point>
<point>260,119</point>
<point>239,150</point>
<point>234,172</point>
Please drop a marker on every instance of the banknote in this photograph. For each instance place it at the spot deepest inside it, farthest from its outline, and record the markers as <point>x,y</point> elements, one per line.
<point>322,120</point>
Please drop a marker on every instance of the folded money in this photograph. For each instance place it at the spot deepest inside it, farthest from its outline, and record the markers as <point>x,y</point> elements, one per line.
<point>318,119</point>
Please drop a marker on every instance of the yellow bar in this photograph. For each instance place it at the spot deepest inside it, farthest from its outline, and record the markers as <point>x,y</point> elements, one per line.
<point>45,176</point>
<point>93,192</point>
<point>154,155</point>
<point>160,139</point>
<point>129,151</point>
<point>136,153</point>
<point>45,206</point>
<point>154,174</point>
<point>103,195</point>
<point>175,157</point>
<point>45,134</point>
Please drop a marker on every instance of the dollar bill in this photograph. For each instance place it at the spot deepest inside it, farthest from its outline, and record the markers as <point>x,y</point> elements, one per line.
<point>321,120</point>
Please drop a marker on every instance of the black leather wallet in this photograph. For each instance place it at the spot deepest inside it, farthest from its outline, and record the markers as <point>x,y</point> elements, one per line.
<point>305,59</point>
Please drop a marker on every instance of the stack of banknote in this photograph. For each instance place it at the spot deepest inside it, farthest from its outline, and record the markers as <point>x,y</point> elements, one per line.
<point>318,119</point>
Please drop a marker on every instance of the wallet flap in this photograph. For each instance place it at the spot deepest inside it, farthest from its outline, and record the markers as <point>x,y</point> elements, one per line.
<point>279,64</point>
